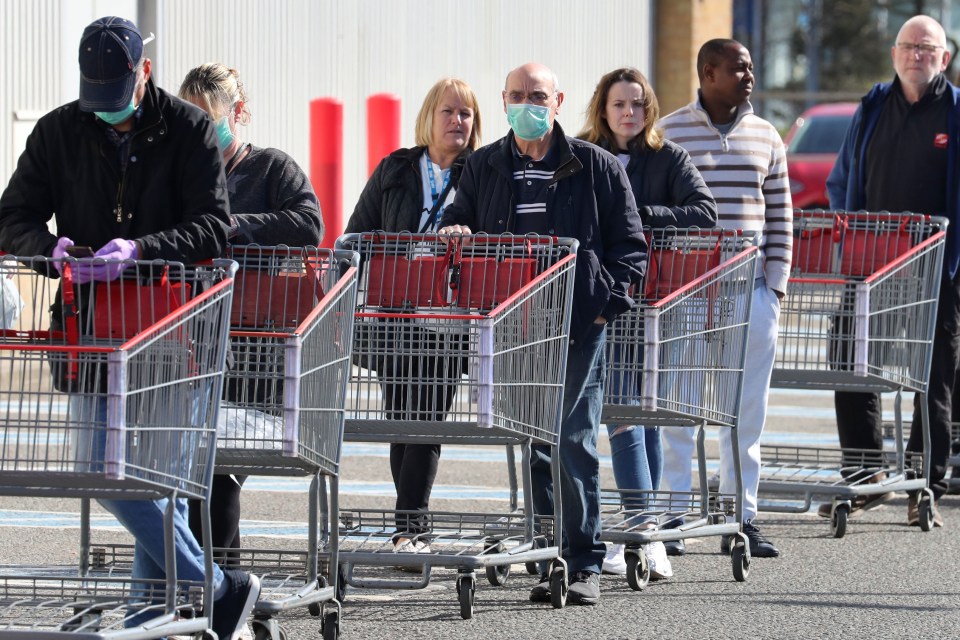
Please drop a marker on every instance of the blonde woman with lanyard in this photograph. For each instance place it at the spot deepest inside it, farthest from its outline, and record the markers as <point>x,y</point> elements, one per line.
<point>271,203</point>
<point>407,192</point>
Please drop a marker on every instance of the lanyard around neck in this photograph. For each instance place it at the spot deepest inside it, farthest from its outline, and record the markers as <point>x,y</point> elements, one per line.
<point>436,197</point>
<point>434,193</point>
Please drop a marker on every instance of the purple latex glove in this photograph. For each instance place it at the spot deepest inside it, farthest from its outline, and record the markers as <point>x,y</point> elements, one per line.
<point>60,252</point>
<point>113,253</point>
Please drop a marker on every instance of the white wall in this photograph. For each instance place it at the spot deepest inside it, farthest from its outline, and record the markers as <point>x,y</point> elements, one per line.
<point>291,51</point>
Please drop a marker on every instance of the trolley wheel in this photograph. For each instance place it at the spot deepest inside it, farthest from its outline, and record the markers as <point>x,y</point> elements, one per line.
<point>740,557</point>
<point>263,632</point>
<point>466,589</point>
<point>497,575</point>
<point>925,510</point>
<point>558,588</point>
<point>331,625</point>
<point>533,569</point>
<point>838,520</point>
<point>638,571</point>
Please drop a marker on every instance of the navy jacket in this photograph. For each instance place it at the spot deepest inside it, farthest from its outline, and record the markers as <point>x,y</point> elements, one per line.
<point>845,185</point>
<point>589,199</point>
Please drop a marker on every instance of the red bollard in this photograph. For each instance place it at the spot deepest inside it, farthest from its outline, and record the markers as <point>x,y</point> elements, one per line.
<point>383,127</point>
<point>326,164</point>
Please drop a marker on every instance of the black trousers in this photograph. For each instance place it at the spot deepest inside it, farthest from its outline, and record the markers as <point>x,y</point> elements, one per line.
<point>859,415</point>
<point>419,382</point>
<point>224,517</point>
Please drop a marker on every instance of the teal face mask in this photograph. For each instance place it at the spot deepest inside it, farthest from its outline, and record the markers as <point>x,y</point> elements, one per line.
<point>225,137</point>
<point>116,117</point>
<point>528,121</point>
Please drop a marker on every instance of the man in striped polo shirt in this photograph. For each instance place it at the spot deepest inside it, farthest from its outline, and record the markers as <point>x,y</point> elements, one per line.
<point>538,180</point>
<point>742,160</point>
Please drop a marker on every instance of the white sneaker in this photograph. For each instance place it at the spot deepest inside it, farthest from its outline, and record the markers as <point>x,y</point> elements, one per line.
<point>614,563</point>
<point>658,561</point>
<point>405,545</point>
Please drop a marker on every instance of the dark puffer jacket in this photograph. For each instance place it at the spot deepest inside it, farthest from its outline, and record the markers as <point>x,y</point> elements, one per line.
<point>392,199</point>
<point>589,199</point>
<point>669,189</point>
<point>172,198</point>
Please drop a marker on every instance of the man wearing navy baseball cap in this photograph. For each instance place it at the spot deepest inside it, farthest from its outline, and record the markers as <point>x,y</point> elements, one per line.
<point>134,173</point>
<point>111,68</point>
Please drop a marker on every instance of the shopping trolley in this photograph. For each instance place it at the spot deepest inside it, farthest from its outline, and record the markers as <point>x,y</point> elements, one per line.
<point>291,335</point>
<point>282,411</point>
<point>676,359</point>
<point>501,306</point>
<point>112,394</point>
<point>859,316</point>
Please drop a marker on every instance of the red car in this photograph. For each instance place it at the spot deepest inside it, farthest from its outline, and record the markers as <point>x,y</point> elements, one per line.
<point>812,145</point>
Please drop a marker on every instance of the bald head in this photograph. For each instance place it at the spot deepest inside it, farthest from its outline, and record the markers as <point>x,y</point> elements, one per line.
<point>925,25</point>
<point>534,70</point>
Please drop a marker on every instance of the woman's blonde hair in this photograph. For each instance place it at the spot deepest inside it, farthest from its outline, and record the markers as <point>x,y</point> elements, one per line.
<point>597,129</point>
<point>423,133</point>
<point>218,88</point>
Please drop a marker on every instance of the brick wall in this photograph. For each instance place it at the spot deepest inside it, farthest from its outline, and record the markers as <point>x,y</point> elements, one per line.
<point>682,27</point>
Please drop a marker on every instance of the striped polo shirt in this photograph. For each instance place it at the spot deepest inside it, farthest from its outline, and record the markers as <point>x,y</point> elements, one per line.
<point>531,179</point>
<point>746,170</point>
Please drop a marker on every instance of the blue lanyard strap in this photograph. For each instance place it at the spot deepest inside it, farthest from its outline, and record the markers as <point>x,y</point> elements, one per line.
<point>434,194</point>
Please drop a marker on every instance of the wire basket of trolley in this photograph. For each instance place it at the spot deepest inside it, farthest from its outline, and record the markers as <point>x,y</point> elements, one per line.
<point>457,340</point>
<point>282,415</point>
<point>676,360</point>
<point>859,316</point>
<point>110,391</point>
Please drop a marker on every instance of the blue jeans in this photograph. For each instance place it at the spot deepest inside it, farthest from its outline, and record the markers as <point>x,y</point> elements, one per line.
<point>142,518</point>
<point>579,464</point>
<point>635,451</point>
<point>637,456</point>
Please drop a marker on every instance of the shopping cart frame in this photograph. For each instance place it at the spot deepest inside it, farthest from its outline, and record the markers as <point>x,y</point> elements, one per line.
<point>535,307</point>
<point>290,336</point>
<point>705,314</point>
<point>126,360</point>
<point>881,287</point>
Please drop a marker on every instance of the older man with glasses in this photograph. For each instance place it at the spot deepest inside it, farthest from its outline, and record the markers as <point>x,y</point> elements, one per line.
<point>538,180</point>
<point>900,154</point>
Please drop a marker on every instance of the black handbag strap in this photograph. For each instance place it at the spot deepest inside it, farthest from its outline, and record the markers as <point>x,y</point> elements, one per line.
<point>432,214</point>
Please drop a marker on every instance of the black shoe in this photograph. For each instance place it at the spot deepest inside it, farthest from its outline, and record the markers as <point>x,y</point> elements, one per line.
<point>675,547</point>
<point>541,592</point>
<point>760,547</point>
<point>584,588</point>
<point>230,610</point>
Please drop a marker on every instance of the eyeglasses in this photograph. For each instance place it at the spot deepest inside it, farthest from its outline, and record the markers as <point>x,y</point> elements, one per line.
<point>922,49</point>
<point>537,97</point>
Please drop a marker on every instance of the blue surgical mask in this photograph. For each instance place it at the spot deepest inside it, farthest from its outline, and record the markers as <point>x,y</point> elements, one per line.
<point>225,137</point>
<point>116,117</point>
<point>528,121</point>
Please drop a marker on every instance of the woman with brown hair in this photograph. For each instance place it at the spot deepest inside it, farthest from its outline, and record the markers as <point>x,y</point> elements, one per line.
<point>670,192</point>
